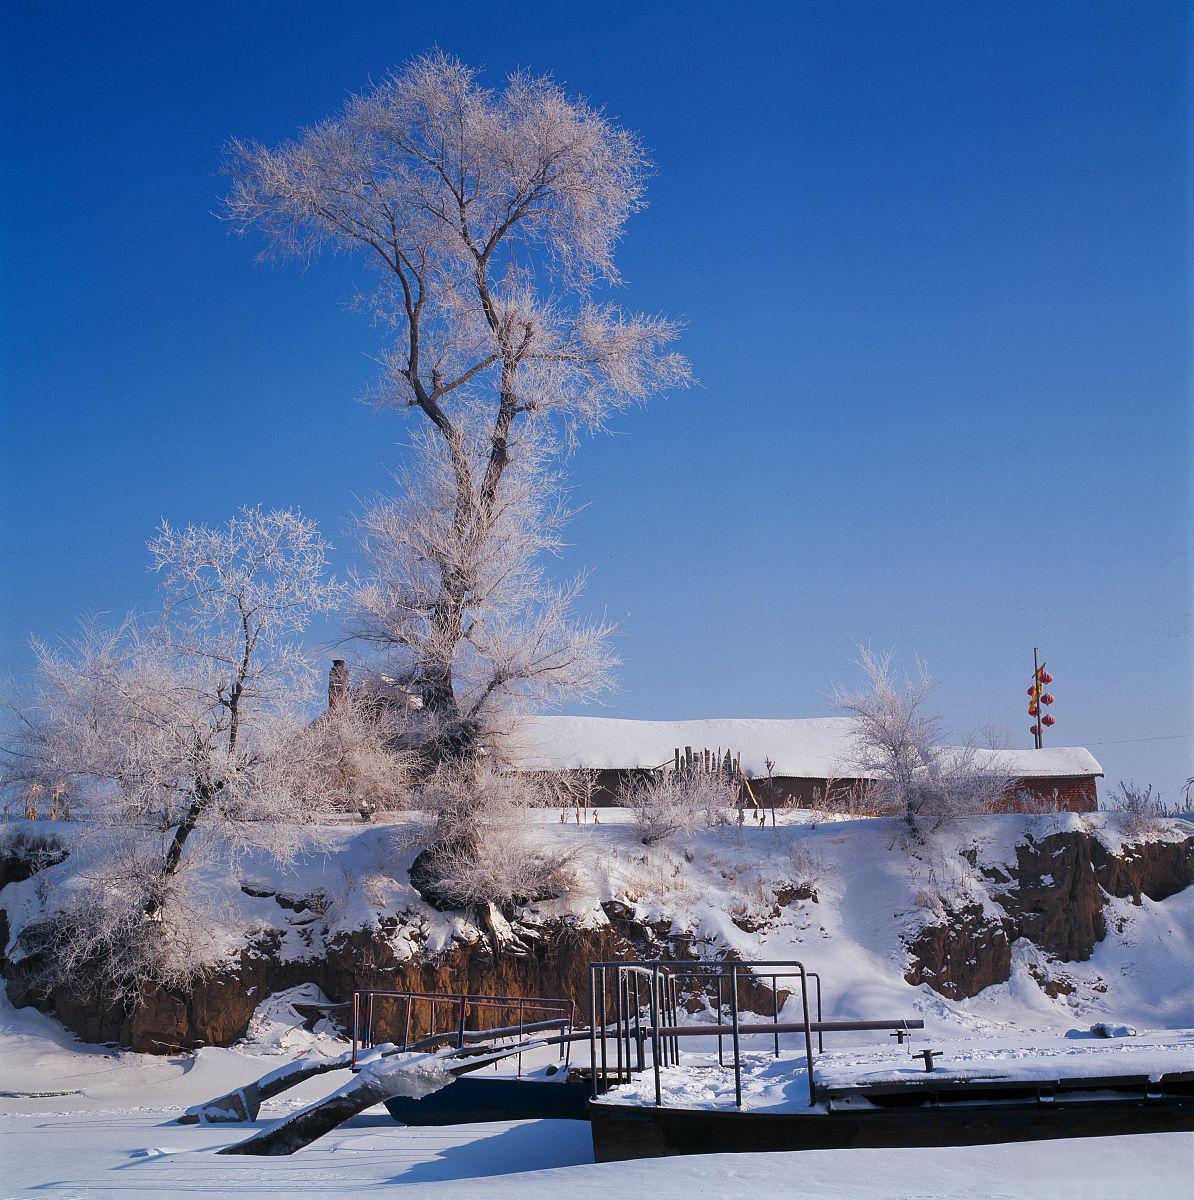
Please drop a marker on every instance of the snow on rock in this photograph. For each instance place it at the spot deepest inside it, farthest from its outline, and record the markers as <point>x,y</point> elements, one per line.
<point>279,1027</point>
<point>850,898</point>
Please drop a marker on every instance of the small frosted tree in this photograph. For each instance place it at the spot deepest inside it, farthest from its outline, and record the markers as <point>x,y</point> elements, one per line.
<point>480,852</point>
<point>195,725</point>
<point>897,747</point>
<point>674,803</point>
<point>490,217</point>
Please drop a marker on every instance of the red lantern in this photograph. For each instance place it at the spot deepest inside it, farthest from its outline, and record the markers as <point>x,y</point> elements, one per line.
<point>1046,677</point>
<point>1032,691</point>
<point>1034,729</point>
<point>1033,710</point>
<point>1047,698</point>
<point>1048,719</point>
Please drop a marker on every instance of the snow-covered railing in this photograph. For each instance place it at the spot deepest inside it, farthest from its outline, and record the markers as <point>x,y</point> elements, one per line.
<point>654,986</point>
<point>514,1017</point>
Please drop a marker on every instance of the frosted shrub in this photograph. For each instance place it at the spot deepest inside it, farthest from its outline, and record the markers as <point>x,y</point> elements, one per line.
<point>675,803</point>
<point>357,758</point>
<point>1140,810</point>
<point>481,847</point>
<point>897,747</point>
<point>97,940</point>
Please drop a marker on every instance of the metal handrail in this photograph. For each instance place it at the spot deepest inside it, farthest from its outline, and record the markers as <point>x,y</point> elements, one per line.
<point>548,1012</point>
<point>665,1029</point>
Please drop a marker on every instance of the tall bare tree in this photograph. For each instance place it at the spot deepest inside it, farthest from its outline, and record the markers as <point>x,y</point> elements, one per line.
<point>491,218</point>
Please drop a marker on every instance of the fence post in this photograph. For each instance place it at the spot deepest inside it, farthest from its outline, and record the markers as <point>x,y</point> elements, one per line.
<point>737,1040</point>
<point>655,1032</point>
<point>808,1036</point>
<point>593,1028</point>
<point>775,1010</point>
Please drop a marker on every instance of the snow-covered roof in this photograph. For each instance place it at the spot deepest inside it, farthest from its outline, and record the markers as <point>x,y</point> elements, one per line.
<point>806,748</point>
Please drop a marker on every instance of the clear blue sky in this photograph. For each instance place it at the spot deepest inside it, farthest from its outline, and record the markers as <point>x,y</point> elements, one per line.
<point>933,262</point>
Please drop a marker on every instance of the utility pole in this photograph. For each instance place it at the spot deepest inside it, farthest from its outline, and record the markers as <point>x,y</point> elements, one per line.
<point>1039,699</point>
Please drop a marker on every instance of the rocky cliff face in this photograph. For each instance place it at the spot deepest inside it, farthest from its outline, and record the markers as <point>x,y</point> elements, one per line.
<point>217,1010</point>
<point>1053,896</point>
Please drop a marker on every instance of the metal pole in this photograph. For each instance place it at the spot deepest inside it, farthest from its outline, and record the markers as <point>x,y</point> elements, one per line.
<point>520,1014</point>
<point>1036,699</point>
<point>808,1036</point>
<point>593,1030</point>
<point>604,1061</point>
<point>720,1009</point>
<point>356,1021</point>
<point>369,1030</point>
<point>775,1011</point>
<point>655,1032</point>
<point>820,1032</point>
<point>737,1043</point>
<point>638,1025</point>
<point>673,1013</point>
<point>460,1024</point>
<point>629,1025</point>
<point>618,980</point>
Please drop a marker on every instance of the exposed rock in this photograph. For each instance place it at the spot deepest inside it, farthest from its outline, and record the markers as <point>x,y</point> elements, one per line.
<point>962,956</point>
<point>1054,897</point>
<point>1055,901</point>
<point>24,854</point>
<point>1157,870</point>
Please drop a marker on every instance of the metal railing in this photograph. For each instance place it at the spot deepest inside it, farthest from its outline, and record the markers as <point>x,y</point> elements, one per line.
<point>513,1017</point>
<point>655,985</point>
<point>618,1041</point>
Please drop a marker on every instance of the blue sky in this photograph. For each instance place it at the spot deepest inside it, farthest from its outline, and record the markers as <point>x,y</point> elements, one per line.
<point>933,262</point>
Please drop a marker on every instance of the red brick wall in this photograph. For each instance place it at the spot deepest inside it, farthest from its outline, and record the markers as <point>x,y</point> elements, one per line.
<point>1050,795</point>
<point>1056,795</point>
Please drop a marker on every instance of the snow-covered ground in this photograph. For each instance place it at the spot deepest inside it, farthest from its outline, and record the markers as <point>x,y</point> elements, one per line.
<point>102,1124</point>
<point>81,1121</point>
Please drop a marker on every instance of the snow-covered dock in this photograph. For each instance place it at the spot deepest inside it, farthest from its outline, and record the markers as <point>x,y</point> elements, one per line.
<point>775,1084</point>
<point>961,1094</point>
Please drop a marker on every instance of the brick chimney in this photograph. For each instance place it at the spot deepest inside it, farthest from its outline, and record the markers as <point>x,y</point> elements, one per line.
<point>337,682</point>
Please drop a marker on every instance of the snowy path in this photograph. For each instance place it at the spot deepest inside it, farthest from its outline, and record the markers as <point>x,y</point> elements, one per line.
<point>114,1136</point>
<point>73,1156</point>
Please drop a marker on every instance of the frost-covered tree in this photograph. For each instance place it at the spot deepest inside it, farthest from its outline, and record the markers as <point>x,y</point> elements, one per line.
<point>897,747</point>
<point>196,724</point>
<point>490,218</point>
<point>513,640</point>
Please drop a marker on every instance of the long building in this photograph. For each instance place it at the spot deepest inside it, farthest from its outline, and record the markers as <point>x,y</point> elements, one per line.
<point>787,761</point>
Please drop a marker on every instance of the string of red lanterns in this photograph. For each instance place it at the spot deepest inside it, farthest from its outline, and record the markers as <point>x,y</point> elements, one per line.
<point>1039,699</point>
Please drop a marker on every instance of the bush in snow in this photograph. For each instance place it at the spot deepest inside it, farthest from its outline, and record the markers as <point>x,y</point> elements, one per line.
<point>480,849</point>
<point>96,938</point>
<point>360,756</point>
<point>1140,810</point>
<point>897,746</point>
<point>679,802</point>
